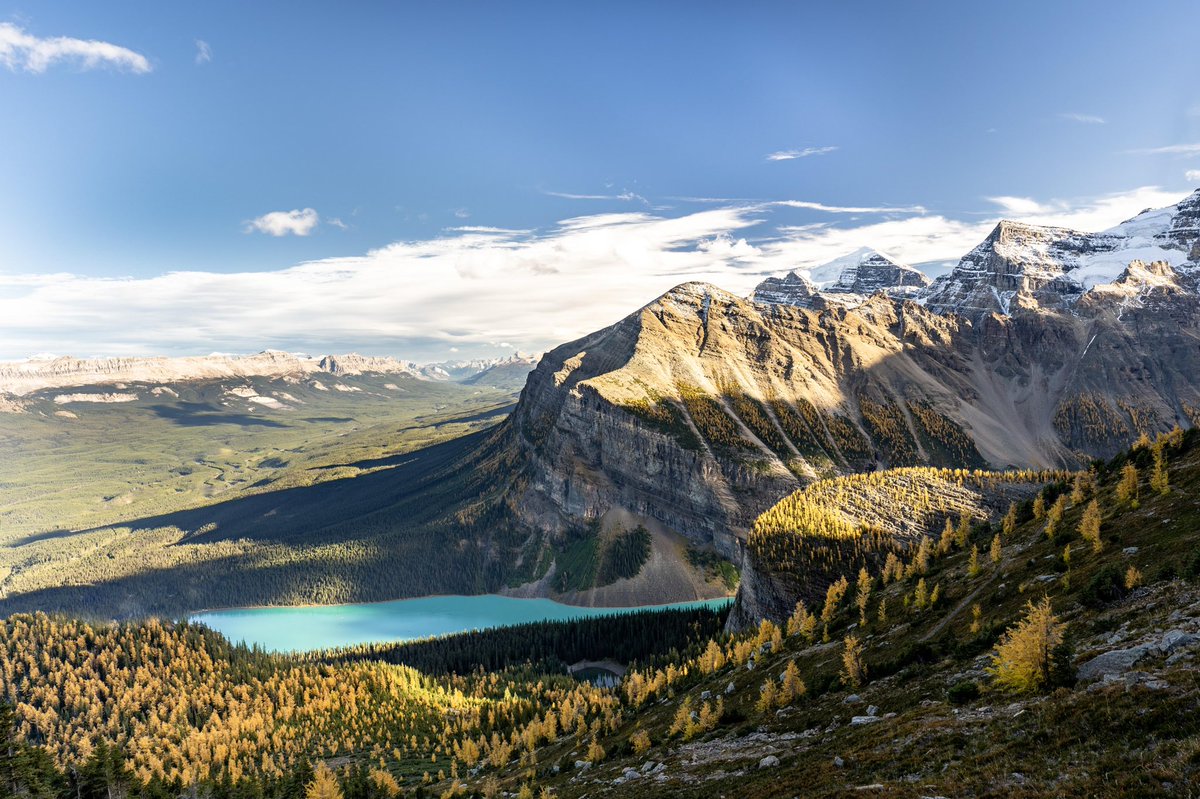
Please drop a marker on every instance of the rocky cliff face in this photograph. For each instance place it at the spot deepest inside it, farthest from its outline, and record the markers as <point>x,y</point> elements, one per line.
<point>1043,348</point>
<point>702,409</point>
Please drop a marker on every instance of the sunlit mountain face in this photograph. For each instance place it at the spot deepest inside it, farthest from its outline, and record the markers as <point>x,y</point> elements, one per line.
<point>459,400</point>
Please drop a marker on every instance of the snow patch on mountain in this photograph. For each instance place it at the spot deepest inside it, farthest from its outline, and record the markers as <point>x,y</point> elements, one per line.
<point>847,281</point>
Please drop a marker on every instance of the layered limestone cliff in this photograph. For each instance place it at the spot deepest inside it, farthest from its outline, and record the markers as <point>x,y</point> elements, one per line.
<point>702,409</point>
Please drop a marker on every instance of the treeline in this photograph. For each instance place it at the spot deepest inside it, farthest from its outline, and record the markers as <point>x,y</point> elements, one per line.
<point>548,646</point>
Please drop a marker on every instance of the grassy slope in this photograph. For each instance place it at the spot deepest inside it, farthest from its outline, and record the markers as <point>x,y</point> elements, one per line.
<point>1110,741</point>
<point>124,461</point>
<point>172,504</point>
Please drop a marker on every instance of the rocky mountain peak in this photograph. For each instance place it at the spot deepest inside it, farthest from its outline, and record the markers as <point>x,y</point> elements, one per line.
<point>791,289</point>
<point>874,272</point>
<point>1020,266</point>
<point>845,281</point>
<point>355,364</point>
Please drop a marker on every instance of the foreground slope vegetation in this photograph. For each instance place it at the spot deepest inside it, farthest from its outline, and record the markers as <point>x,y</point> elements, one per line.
<point>1043,649</point>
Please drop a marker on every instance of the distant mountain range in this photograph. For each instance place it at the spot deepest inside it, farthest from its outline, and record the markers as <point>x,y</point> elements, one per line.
<point>19,378</point>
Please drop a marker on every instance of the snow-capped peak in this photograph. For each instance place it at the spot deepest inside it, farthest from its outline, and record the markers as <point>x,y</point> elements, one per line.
<point>847,280</point>
<point>1031,266</point>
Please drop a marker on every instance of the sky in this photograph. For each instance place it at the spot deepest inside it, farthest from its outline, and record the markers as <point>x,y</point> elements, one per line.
<point>441,180</point>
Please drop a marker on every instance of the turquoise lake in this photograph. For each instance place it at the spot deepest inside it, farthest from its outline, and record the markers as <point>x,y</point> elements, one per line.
<point>307,628</point>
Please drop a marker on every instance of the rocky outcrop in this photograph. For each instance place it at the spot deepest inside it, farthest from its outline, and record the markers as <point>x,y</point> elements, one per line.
<point>1021,267</point>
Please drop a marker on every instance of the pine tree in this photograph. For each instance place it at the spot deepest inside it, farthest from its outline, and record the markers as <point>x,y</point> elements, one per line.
<point>863,596</point>
<point>767,697</point>
<point>1039,506</point>
<point>1079,488</point>
<point>1054,516</point>
<point>1127,488</point>
<point>892,568</point>
<point>385,783</point>
<point>802,623</point>
<point>996,551</point>
<point>792,687</point>
<point>963,534</point>
<point>833,598</point>
<point>921,595</point>
<point>595,752</point>
<point>1160,482</point>
<point>324,784</point>
<point>1009,525</point>
<point>1022,660</point>
<point>1089,525</point>
<point>854,670</point>
<point>946,542</point>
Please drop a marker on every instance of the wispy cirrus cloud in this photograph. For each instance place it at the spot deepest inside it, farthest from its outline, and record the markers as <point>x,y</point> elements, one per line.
<point>1084,119</point>
<point>624,196</point>
<point>849,209</point>
<point>297,222</point>
<point>21,50</point>
<point>203,52</point>
<point>803,152</point>
<point>542,287</point>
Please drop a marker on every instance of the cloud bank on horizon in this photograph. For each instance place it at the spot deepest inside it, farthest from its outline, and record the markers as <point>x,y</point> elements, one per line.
<point>478,289</point>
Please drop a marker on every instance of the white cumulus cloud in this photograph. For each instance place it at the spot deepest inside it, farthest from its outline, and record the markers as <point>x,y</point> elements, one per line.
<point>297,222</point>
<point>22,50</point>
<point>476,285</point>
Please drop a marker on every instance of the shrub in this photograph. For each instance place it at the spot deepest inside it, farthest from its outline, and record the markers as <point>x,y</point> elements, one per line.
<point>1106,585</point>
<point>963,692</point>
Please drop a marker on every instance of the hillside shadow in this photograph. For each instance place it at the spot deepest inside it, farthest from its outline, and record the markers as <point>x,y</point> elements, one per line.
<point>205,414</point>
<point>294,514</point>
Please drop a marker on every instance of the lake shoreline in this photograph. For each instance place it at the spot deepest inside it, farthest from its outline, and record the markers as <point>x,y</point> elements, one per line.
<point>314,605</point>
<point>327,627</point>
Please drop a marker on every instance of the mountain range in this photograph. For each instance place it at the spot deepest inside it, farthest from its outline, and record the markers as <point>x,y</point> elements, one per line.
<point>19,378</point>
<point>1043,348</point>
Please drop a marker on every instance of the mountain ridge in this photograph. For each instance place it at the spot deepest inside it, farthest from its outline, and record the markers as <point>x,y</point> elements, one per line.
<point>20,378</point>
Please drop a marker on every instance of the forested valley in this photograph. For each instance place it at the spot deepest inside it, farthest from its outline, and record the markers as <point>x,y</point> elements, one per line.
<point>997,644</point>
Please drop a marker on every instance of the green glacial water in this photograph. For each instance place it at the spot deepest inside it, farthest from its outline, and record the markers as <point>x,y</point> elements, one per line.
<point>327,626</point>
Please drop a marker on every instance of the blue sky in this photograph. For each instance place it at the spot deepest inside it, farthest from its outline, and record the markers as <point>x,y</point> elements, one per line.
<point>594,142</point>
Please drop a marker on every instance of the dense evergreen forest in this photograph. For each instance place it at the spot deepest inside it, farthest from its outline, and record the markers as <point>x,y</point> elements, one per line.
<point>550,646</point>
